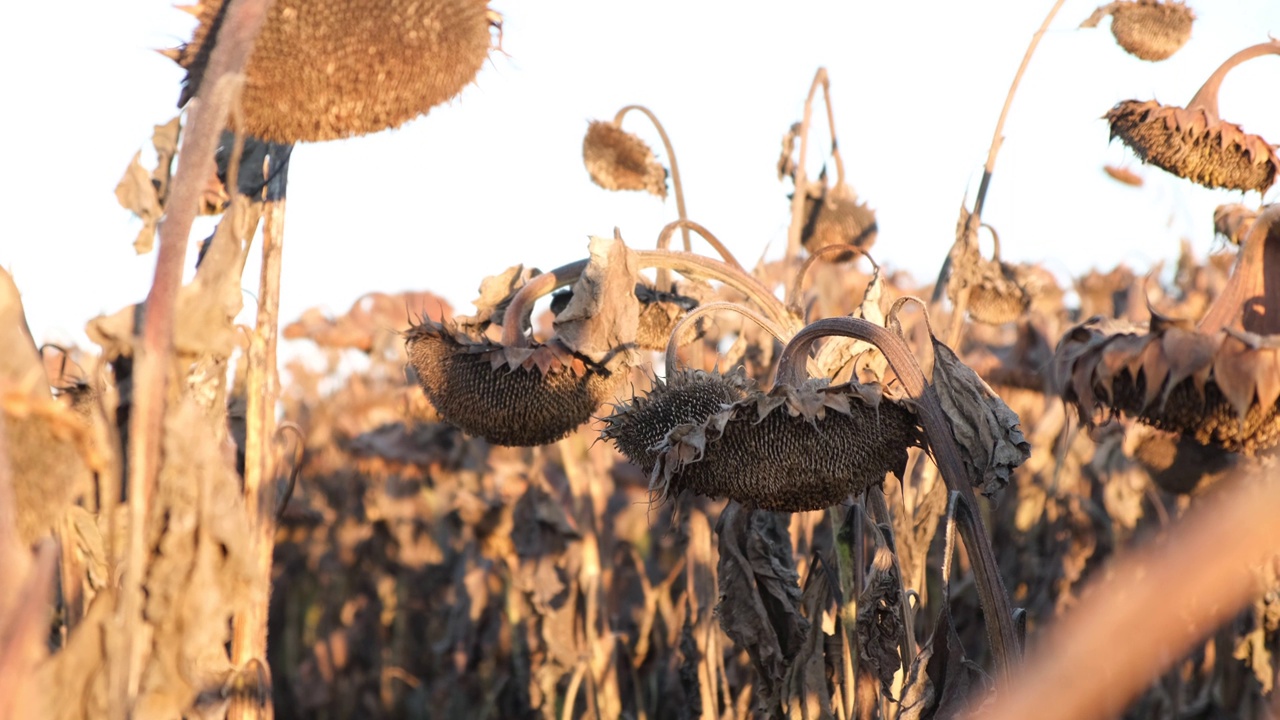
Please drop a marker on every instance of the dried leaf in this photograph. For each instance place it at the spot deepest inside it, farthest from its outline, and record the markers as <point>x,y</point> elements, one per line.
<point>760,595</point>
<point>496,292</point>
<point>136,193</point>
<point>942,680</point>
<point>601,318</point>
<point>988,433</point>
<point>879,625</point>
<point>20,366</point>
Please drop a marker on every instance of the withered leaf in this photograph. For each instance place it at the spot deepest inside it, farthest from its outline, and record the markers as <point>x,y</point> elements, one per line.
<point>20,366</point>
<point>941,680</point>
<point>136,193</point>
<point>988,432</point>
<point>602,316</point>
<point>760,594</point>
<point>879,623</point>
<point>496,292</point>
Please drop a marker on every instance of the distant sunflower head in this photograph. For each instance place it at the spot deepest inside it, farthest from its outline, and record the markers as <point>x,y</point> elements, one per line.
<point>619,160</point>
<point>1148,29</point>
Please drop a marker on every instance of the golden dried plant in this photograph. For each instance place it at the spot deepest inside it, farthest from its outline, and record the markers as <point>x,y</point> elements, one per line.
<point>1148,29</point>
<point>1195,142</point>
<point>329,69</point>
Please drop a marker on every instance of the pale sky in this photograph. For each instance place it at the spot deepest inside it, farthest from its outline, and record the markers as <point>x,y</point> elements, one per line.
<point>496,177</point>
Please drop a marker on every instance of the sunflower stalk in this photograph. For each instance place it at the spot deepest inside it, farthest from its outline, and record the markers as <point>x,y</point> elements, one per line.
<point>975,219</point>
<point>207,116</point>
<point>663,280</point>
<point>799,180</point>
<point>685,263</point>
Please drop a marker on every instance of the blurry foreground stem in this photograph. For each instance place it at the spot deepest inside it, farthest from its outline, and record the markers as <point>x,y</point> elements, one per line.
<point>207,116</point>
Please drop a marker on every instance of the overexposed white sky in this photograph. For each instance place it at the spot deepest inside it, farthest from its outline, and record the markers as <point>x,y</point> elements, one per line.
<point>496,177</point>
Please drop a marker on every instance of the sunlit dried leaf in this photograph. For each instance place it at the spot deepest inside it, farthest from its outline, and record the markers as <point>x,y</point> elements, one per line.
<point>601,318</point>
<point>496,292</point>
<point>136,193</point>
<point>1124,176</point>
<point>987,432</point>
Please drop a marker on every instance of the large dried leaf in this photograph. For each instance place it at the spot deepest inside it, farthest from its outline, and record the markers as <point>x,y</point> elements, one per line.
<point>942,680</point>
<point>879,623</point>
<point>806,693</point>
<point>760,595</point>
<point>988,433</point>
<point>136,193</point>
<point>602,316</point>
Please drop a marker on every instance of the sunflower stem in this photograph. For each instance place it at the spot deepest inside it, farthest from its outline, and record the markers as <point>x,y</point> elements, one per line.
<point>799,179</point>
<point>673,344</point>
<point>997,139</point>
<point>663,276</point>
<point>793,293</point>
<point>1206,98</point>
<point>684,263</point>
<point>664,241</point>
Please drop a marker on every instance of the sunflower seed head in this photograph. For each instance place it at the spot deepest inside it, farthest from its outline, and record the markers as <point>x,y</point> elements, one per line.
<point>1193,145</point>
<point>791,449</point>
<point>328,69</point>
<point>618,160</point>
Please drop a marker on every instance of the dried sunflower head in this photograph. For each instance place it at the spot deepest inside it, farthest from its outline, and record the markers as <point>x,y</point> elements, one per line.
<point>792,449</point>
<point>687,396</point>
<point>1194,142</point>
<point>1217,383</point>
<point>618,160</point>
<point>833,216</point>
<point>1148,29</point>
<point>328,69</point>
<point>519,392</point>
<point>998,291</point>
<point>509,396</point>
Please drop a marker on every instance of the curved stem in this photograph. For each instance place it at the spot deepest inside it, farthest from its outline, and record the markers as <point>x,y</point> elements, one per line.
<point>793,292</point>
<point>1001,633</point>
<point>997,139</point>
<point>687,264</point>
<point>664,240</point>
<point>1206,98</point>
<point>671,155</point>
<point>995,242</point>
<point>800,180</point>
<point>520,305</point>
<point>1254,279</point>
<point>673,344</point>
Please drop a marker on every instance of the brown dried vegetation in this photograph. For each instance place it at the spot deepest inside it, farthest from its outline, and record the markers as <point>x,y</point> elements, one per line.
<point>424,567</point>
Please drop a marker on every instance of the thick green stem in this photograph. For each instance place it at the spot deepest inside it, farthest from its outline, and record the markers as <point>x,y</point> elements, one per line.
<point>1001,632</point>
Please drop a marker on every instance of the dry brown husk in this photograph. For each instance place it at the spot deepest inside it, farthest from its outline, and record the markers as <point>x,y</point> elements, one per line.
<point>329,69</point>
<point>791,449</point>
<point>1193,144</point>
<point>687,396</point>
<point>619,160</point>
<point>1217,383</point>
<point>1148,29</point>
<point>833,216</point>
<point>1122,175</point>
